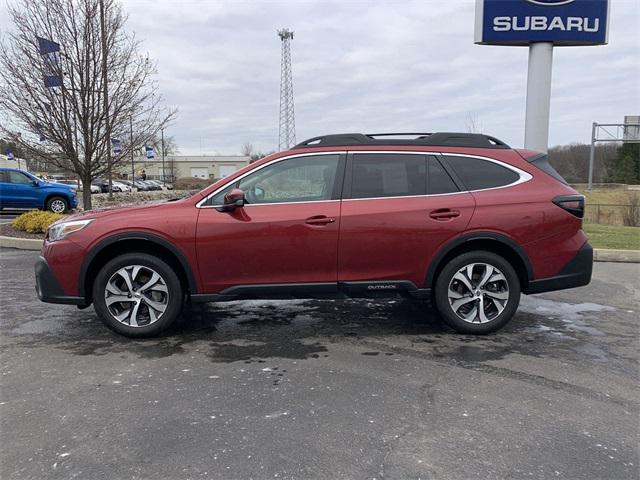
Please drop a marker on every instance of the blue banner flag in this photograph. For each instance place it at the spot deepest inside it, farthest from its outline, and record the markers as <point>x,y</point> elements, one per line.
<point>117,146</point>
<point>150,153</point>
<point>10,155</point>
<point>50,52</point>
<point>40,132</point>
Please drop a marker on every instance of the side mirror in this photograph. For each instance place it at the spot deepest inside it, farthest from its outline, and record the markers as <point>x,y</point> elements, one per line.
<point>35,183</point>
<point>232,200</point>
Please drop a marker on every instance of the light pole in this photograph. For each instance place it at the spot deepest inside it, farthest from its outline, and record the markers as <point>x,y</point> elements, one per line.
<point>164,182</point>
<point>105,91</point>
<point>133,168</point>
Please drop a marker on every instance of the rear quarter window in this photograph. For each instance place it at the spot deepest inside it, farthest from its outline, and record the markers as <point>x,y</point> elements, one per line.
<point>478,174</point>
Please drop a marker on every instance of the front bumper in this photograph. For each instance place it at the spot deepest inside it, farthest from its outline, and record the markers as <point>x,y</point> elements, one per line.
<point>576,273</point>
<point>48,288</point>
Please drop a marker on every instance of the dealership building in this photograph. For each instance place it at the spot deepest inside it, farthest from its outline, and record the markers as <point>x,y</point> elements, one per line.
<point>181,166</point>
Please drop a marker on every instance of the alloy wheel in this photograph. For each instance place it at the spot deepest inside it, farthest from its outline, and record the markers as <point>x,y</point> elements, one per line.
<point>478,293</point>
<point>58,206</point>
<point>136,296</point>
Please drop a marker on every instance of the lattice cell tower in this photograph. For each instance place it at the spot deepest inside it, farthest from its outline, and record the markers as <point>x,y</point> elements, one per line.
<point>287,129</point>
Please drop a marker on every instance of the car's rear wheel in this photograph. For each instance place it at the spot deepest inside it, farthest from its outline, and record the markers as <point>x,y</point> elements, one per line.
<point>57,205</point>
<point>477,292</point>
<point>137,295</point>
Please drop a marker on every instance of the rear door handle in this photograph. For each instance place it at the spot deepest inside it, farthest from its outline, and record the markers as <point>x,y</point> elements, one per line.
<point>319,220</point>
<point>444,214</point>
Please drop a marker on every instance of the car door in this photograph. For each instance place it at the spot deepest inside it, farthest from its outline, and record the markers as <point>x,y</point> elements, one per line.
<point>398,209</point>
<point>5,194</point>
<point>285,238</point>
<point>19,191</point>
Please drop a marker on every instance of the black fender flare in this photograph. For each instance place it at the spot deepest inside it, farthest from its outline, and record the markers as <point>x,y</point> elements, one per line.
<point>151,238</point>
<point>436,261</point>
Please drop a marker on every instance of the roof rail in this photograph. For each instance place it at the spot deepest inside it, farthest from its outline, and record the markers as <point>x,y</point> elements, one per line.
<point>449,139</point>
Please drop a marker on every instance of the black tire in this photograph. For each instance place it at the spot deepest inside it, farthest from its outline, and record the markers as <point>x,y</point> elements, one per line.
<point>499,319</point>
<point>58,205</point>
<point>174,296</point>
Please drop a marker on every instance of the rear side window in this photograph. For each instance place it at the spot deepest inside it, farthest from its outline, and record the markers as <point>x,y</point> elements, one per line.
<point>376,175</point>
<point>542,162</point>
<point>478,174</point>
<point>439,180</point>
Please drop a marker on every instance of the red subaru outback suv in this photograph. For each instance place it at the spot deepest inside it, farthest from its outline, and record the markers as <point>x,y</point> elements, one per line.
<point>461,219</point>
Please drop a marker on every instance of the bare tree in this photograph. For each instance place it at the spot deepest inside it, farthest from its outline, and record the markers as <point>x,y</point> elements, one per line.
<point>472,124</point>
<point>572,161</point>
<point>65,126</point>
<point>247,149</point>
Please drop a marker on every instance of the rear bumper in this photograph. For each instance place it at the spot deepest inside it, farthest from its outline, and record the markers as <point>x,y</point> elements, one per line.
<point>48,288</point>
<point>576,273</point>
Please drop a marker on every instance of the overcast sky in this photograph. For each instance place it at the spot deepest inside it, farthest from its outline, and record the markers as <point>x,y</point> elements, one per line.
<point>368,66</point>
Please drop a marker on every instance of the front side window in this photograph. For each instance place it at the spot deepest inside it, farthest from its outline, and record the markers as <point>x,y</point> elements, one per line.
<point>301,179</point>
<point>17,177</point>
<point>378,175</point>
<point>478,174</point>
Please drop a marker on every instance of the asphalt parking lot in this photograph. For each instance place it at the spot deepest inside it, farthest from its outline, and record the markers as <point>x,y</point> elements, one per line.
<point>323,389</point>
<point>7,216</point>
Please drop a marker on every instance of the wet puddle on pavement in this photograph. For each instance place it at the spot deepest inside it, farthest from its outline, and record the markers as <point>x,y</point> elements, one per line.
<point>246,331</point>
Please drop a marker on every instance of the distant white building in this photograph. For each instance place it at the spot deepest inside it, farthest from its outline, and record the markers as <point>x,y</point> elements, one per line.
<point>17,163</point>
<point>176,166</point>
<point>181,166</point>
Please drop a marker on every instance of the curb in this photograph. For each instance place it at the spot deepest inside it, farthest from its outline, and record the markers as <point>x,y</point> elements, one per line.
<point>623,256</point>
<point>599,254</point>
<point>21,243</point>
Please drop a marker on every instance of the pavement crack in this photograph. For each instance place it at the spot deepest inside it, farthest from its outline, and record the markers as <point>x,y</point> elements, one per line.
<point>539,380</point>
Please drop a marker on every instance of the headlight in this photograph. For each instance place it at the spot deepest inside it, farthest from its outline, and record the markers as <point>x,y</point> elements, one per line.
<point>61,230</point>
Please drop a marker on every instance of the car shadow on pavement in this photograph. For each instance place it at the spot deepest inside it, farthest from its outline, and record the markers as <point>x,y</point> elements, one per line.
<point>254,330</point>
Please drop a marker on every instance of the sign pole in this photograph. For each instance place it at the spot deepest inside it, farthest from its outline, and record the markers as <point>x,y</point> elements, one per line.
<point>536,125</point>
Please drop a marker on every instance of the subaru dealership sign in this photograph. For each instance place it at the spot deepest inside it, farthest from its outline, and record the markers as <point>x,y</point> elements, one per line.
<point>561,22</point>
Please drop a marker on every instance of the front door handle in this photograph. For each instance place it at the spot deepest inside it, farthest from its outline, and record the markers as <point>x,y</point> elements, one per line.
<point>444,214</point>
<point>319,220</point>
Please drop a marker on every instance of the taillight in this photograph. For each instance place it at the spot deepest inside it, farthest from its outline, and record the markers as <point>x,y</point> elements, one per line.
<point>574,204</point>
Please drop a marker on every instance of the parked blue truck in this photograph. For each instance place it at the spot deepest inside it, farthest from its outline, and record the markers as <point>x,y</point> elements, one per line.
<point>20,189</point>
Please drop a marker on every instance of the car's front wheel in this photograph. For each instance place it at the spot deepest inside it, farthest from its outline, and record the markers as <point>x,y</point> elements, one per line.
<point>137,295</point>
<point>477,292</point>
<point>57,205</point>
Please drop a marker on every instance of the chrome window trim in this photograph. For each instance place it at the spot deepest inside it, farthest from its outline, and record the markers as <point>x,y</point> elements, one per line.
<point>404,196</point>
<point>524,176</point>
<point>288,203</point>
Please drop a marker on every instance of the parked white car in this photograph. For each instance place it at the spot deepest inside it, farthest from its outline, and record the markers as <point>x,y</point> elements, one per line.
<point>120,187</point>
<point>78,185</point>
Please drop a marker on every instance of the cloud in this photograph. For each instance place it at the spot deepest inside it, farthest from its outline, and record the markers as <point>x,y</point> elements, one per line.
<point>368,66</point>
